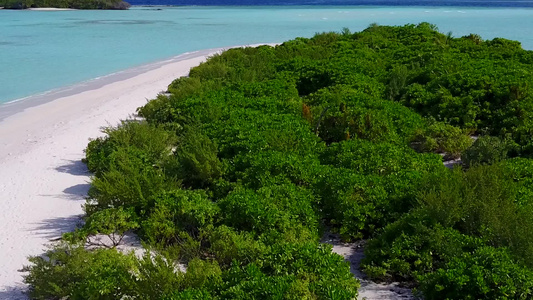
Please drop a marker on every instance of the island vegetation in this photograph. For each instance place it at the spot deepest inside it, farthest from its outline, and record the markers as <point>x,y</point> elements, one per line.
<point>237,173</point>
<point>72,4</point>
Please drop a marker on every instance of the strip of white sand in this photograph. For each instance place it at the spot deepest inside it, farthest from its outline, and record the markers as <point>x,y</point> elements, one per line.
<point>42,180</point>
<point>50,9</point>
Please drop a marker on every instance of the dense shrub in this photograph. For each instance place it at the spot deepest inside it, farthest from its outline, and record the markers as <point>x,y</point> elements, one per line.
<point>77,4</point>
<point>176,213</point>
<point>412,246</point>
<point>460,212</point>
<point>280,208</point>
<point>487,273</point>
<point>365,157</point>
<point>442,138</point>
<point>196,162</point>
<point>131,181</point>
<point>485,150</point>
<point>112,222</point>
<point>238,170</point>
<point>227,245</point>
<point>482,202</point>
<point>150,141</point>
<point>74,273</point>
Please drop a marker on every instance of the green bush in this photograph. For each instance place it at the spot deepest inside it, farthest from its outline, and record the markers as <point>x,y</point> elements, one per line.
<point>196,162</point>
<point>152,141</point>
<point>366,157</point>
<point>177,212</point>
<point>74,273</point>
<point>413,246</point>
<point>487,273</point>
<point>156,277</point>
<point>280,208</point>
<point>481,202</point>
<point>520,170</point>
<point>242,166</point>
<point>485,150</point>
<point>352,203</point>
<point>111,222</point>
<point>131,182</point>
<point>264,168</point>
<point>328,274</point>
<point>442,138</point>
<point>227,245</point>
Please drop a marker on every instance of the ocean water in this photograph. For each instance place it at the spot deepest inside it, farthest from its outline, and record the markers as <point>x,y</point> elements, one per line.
<point>466,3</point>
<point>46,50</point>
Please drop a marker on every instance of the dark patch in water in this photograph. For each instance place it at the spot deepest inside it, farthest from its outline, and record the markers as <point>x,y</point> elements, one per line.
<point>125,22</point>
<point>210,24</point>
<point>6,43</point>
<point>31,25</point>
<point>21,36</point>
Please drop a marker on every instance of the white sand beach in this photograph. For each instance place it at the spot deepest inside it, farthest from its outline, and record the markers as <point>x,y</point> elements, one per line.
<point>42,179</point>
<point>50,9</point>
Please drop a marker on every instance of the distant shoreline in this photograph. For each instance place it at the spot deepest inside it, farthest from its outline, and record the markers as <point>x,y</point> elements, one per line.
<point>50,9</point>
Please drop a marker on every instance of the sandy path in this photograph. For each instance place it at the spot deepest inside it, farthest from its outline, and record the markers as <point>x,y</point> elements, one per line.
<point>354,253</point>
<point>42,180</point>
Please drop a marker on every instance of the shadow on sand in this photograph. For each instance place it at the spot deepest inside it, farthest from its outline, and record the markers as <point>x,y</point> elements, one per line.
<point>74,167</point>
<point>77,192</point>
<point>53,228</point>
<point>14,293</point>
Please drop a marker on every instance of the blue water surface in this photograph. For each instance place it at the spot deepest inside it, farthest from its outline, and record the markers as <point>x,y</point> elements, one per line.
<point>465,3</point>
<point>44,50</point>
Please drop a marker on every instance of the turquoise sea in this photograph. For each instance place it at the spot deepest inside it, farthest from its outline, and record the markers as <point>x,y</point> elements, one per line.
<point>46,50</point>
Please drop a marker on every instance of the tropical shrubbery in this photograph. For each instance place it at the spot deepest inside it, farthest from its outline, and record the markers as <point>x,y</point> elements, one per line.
<point>240,170</point>
<point>75,4</point>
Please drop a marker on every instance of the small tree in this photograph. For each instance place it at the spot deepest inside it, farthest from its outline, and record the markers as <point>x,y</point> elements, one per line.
<point>485,150</point>
<point>111,222</point>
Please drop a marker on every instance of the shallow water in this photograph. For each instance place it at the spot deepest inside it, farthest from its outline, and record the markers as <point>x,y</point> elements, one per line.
<point>45,50</point>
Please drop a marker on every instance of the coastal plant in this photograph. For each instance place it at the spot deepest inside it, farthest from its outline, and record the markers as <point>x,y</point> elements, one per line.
<point>195,160</point>
<point>485,150</point>
<point>152,141</point>
<point>482,274</point>
<point>113,223</point>
<point>176,212</point>
<point>412,246</point>
<point>239,169</point>
<point>280,208</point>
<point>70,271</point>
<point>131,182</point>
<point>442,138</point>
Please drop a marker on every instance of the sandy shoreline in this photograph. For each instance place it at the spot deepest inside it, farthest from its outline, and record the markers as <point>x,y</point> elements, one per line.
<point>42,180</point>
<point>50,9</point>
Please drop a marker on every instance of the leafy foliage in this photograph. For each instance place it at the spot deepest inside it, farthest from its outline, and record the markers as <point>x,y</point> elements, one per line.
<point>486,150</point>
<point>73,272</point>
<point>76,4</point>
<point>238,171</point>
<point>111,222</point>
<point>483,274</point>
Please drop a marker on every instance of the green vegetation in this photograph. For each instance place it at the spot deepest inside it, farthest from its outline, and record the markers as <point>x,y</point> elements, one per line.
<point>75,4</point>
<point>241,169</point>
